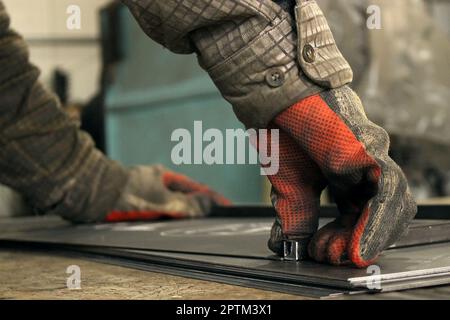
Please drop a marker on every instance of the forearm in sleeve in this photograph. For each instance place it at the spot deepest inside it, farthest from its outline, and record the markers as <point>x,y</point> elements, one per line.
<point>43,154</point>
<point>248,47</point>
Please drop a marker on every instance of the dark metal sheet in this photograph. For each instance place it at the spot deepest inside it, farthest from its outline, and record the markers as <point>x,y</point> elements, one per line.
<point>234,251</point>
<point>329,211</point>
<point>234,278</point>
<point>244,237</point>
<point>32,223</point>
<point>407,266</point>
<point>241,241</point>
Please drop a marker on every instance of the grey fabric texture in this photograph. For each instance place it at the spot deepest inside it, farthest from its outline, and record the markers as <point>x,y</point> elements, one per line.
<point>329,68</point>
<point>393,207</point>
<point>43,154</point>
<point>248,47</point>
<point>145,191</point>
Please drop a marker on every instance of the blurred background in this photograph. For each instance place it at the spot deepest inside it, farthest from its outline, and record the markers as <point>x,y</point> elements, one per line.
<point>130,94</point>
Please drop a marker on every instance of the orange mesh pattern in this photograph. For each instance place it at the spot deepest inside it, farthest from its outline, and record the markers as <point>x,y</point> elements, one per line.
<point>321,138</point>
<point>329,142</point>
<point>296,189</point>
<point>175,182</point>
<point>178,182</point>
<point>119,216</point>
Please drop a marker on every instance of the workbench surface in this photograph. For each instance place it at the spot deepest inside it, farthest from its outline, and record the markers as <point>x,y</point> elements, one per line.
<point>37,275</point>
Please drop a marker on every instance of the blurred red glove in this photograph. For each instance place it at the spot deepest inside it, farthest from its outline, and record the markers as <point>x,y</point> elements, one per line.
<point>153,192</point>
<point>327,139</point>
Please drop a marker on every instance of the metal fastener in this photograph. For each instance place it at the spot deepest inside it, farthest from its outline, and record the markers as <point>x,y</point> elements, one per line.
<point>309,53</point>
<point>291,250</point>
<point>275,77</point>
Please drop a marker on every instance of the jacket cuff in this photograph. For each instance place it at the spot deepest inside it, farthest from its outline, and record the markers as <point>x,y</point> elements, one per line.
<point>264,78</point>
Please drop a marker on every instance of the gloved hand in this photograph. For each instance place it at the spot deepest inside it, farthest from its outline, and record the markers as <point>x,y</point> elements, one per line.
<point>278,65</point>
<point>327,139</point>
<point>153,192</point>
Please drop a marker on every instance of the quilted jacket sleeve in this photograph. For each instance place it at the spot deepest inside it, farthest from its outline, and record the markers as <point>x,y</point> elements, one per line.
<point>250,48</point>
<point>43,154</point>
<point>171,23</point>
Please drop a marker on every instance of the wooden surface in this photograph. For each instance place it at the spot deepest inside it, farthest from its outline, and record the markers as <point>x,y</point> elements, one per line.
<point>36,275</point>
<point>30,275</point>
